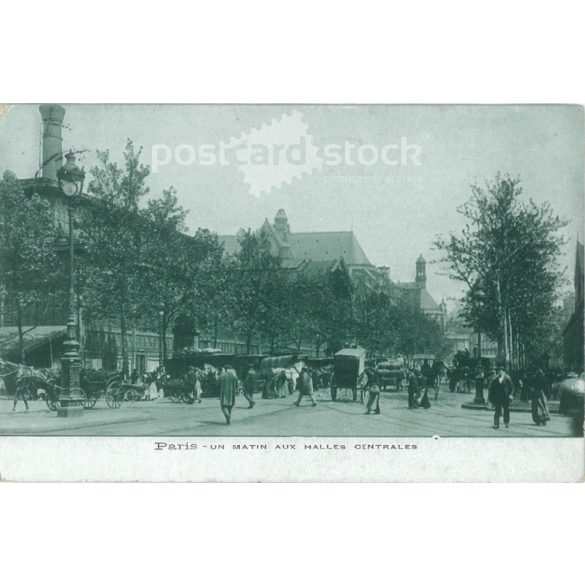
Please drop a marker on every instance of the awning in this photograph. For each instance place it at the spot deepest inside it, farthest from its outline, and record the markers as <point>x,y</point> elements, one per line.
<point>34,337</point>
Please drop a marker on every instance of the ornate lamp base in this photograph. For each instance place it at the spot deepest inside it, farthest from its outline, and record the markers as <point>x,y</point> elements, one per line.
<point>71,400</point>
<point>70,408</point>
<point>479,399</point>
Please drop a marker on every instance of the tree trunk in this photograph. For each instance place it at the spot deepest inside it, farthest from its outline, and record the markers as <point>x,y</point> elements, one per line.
<point>249,342</point>
<point>21,351</point>
<point>125,365</point>
<point>165,327</point>
<point>215,324</point>
<point>502,327</point>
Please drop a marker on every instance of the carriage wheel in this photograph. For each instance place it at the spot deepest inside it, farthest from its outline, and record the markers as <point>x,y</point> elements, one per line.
<point>132,395</point>
<point>114,394</point>
<point>175,397</point>
<point>333,393</point>
<point>89,401</point>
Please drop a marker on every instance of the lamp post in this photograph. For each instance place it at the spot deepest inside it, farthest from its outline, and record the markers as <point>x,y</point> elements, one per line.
<point>71,178</point>
<point>479,296</point>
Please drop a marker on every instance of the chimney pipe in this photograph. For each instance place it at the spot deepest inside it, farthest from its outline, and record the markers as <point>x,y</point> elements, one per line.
<point>52,149</point>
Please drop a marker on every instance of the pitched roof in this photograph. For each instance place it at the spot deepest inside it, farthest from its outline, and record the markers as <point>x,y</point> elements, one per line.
<point>317,267</point>
<point>315,246</point>
<point>33,337</point>
<point>327,246</point>
<point>427,303</point>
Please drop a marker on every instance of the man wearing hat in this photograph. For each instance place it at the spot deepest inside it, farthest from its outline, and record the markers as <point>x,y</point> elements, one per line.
<point>501,393</point>
<point>228,388</point>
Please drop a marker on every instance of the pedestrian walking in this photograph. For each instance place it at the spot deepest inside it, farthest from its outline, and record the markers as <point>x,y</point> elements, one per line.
<point>151,387</point>
<point>305,386</point>
<point>160,376</point>
<point>429,374</point>
<point>291,375</point>
<point>524,383</point>
<point>412,389</point>
<point>228,388</point>
<point>193,383</point>
<point>452,377</point>
<point>250,386</point>
<point>198,384</point>
<point>540,413</point>
<point>373,388</point>
<point>134,376</point>
<point>501,393</point>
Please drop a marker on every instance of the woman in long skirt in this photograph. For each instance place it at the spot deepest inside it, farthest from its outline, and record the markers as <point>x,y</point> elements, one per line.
<point>540,413</point>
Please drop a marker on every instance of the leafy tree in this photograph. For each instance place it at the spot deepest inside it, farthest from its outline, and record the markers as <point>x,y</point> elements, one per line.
<point>29,270</point>
<point>333,311</point>
<point>507,255</point>
<point>184,274</point>
<point>417,332</point>
<point>114,238</point>
<point>164,260</point>
<point>260,287</point>
<point>302,324</point>
<point>377,323</point>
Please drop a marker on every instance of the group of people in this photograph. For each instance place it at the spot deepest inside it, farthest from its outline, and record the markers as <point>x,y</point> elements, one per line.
<point>501,394</point>
<point>229,388</point>
<point>418,386</point>
<point>501,389</point>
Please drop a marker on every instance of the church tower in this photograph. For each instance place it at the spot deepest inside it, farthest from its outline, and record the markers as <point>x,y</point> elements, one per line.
<point>421,272</point>
<point>281,224</point>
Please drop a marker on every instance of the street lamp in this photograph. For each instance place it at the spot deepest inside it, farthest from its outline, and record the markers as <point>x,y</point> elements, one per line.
<point>479,297</point>
<point>71,178</point>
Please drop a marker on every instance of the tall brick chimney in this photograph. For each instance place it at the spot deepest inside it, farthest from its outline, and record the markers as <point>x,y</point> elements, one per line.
<point>52,149</point>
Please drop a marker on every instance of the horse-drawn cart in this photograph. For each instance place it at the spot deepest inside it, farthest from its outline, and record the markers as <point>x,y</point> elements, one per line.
<point>392,374</point>
<point>349,372</point>
<point>95,383</point>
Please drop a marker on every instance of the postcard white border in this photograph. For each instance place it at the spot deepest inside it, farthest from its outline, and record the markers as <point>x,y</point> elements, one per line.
<point>247,459</point>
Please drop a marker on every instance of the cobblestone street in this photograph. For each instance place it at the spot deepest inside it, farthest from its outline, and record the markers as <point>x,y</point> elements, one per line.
<point>279,417</point>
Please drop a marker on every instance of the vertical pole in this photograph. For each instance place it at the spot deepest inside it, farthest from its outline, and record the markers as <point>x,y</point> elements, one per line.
<point>478,341</point>
<point>70,399</point>
<point>160,338</point>
<point>71,266</point>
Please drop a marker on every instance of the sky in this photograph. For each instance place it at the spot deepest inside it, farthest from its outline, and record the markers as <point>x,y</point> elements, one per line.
<point>396,211</point>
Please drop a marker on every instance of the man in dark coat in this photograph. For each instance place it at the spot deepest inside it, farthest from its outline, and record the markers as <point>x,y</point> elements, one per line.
<point>305,386</point>
<point>429,374</point>
<point>501,393</point>
<point>250,386</point>
<point>228,388</point>
<point>412,389</point>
